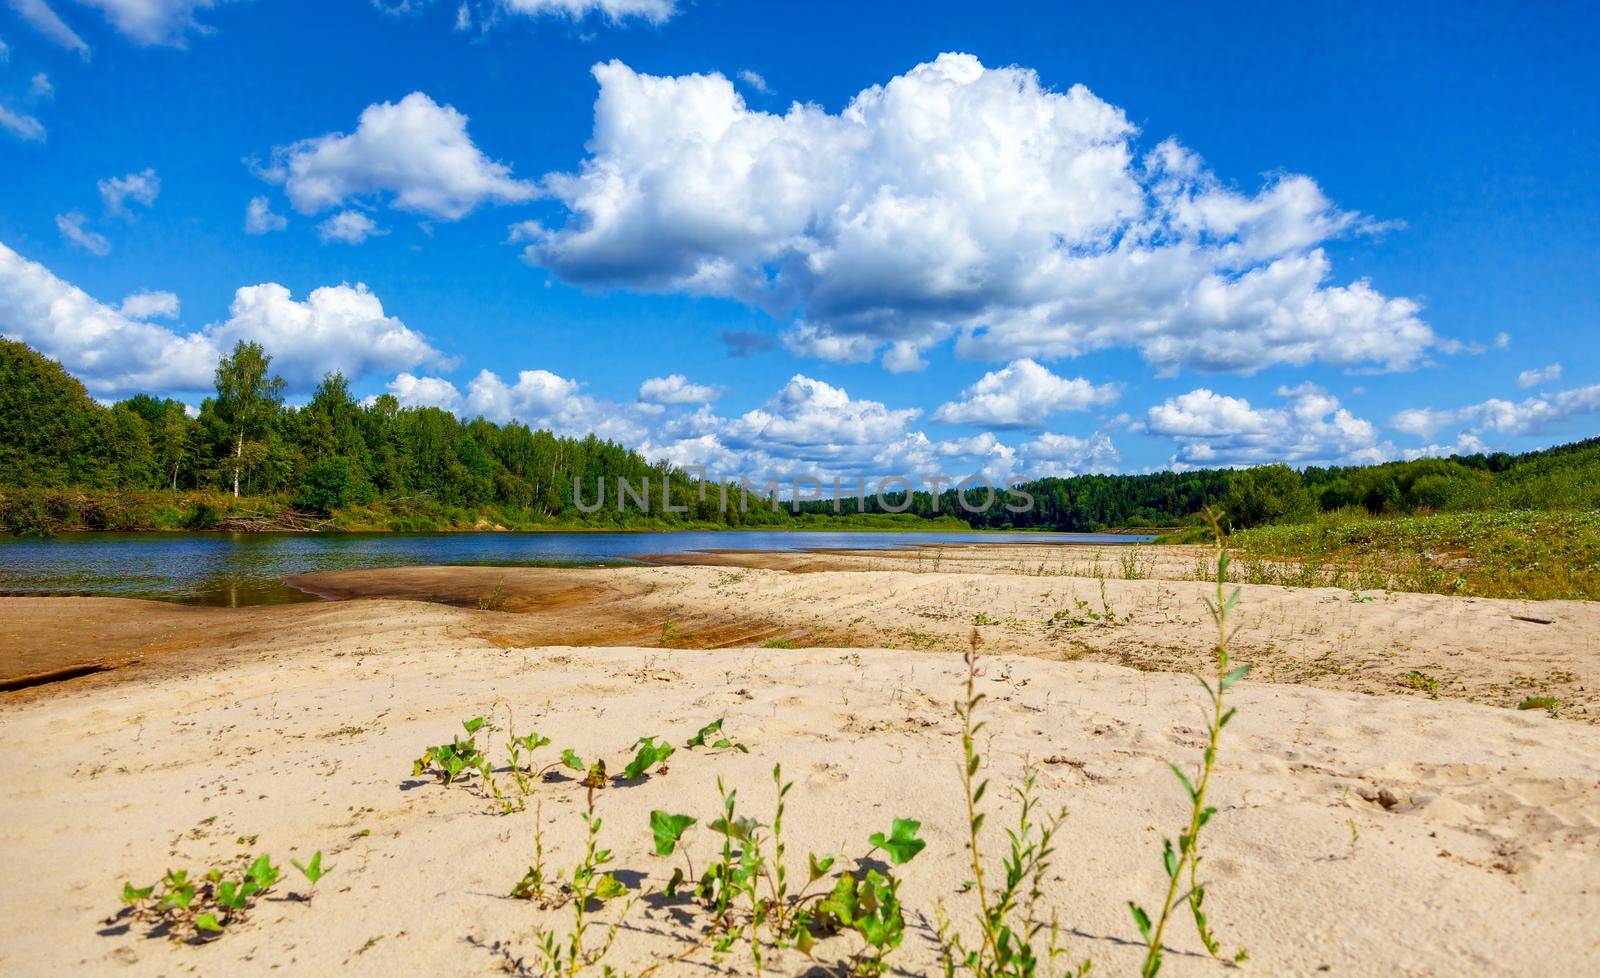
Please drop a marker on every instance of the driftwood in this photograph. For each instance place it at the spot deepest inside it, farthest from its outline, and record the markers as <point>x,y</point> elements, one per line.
<point>269,522</point>
<point>1536,621</point>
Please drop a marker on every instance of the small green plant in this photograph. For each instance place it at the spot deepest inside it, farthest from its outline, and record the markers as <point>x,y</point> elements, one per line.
<point>669,634</point>
<point>777,643</point>
<point>1420,681</point>
<point>311,870</point>
<point>650,755</point>
<point>566,955</point>
<point>1010,938</point>
<point>459,758</point>
<point>190,909</point>
<point>495,600</point>
<point>1182,862</point>
<point>1549,704</point>
<point>531,886</point>
<point>712,737</point>
<point>982,618</point>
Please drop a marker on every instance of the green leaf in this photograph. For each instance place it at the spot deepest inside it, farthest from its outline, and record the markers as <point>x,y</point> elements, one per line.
<point>699,739</point>
<point>208,922</point>
<point>840,906</point>
<point>1184,778</point>
<point>819,867</point>
<point>313,870</point>
<point>1169,859</point>
<point>607,887</point>
<point>570,758</point>
<point>1234,676</point>
<point>132,895</point>
<point>668,829</point>
<point>262,872</point>
<point>473,725</point>
<point>1142,919</point>
<point>902,843</point>
<point>650,755</point>
<point>675,882</point>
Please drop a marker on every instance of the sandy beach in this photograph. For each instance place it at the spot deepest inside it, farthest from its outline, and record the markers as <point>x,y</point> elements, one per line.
<point>1368,824</point>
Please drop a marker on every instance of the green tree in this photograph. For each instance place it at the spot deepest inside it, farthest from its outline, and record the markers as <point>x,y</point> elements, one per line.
<point>248,397</point>
<point>1267,494</point>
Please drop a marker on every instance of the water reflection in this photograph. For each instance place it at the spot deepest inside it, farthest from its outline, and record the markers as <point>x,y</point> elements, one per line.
<point>238,569</point>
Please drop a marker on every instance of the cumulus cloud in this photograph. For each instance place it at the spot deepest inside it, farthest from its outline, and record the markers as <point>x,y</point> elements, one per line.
<point>150,305</point>
<point>141,188</point>
<point>338,327</point>
<point>71,226</point>
<point>1022,395</point>
<point>654,11</point>
<point>349,227</point>
<point>415,151</point>
<point>1061,455</point>
<point>961,201</point>
<point>413,391</point>
<point>1310,428</point>
<point>546,400</point>
<point>1542,375</point>
<point>1499,417</point>
<point>259,218</point>
<point>21,125</point>
<point>675,389</point>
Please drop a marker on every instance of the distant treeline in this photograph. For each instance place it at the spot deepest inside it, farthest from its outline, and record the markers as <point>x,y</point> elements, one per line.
<point>246,459</point>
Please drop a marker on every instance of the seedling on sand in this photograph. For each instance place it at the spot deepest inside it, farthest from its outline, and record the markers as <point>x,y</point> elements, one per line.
<point>712,737</point>
<point>1183,863</point>
<point>193,910</point>
<point>745,890</point>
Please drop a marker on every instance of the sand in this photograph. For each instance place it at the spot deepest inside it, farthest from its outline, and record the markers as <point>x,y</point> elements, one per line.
<point>1357,835</point>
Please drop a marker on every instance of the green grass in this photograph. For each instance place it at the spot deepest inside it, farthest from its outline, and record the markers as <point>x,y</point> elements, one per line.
<point>1516,554</point>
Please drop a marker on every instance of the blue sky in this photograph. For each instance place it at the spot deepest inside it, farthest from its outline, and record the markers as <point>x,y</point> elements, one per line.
<point>1270,234</point>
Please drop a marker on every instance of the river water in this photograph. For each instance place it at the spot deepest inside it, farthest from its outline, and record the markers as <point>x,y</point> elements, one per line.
<point>235,569</point>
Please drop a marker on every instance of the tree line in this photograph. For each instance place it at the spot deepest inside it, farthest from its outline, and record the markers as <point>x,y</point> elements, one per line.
<point>335,454</point>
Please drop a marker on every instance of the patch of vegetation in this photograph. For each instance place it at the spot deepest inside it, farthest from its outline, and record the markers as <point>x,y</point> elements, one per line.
<point>1531,554</point>
<point>198,909</point>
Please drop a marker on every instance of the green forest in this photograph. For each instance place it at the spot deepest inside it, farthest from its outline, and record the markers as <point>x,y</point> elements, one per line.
<point>249,461</point>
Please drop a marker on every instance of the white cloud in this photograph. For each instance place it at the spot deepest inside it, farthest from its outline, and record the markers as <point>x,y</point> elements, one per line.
<point>338,327</point>
<point>1311,428</point>
<point>959,201</point>
<point>543,399</point>
<point>675,389</point>
<point>414,391</point>
<point>5,53</point>
<point>39,87</point>
<point>349,227</point>
<point>415,150</point>
<point>45,20</point>
<point>1053,454</point>
<point>654,11</point>
<point>150,305</point>
<point>21,125</point>
<point>1497,416</point>
<point>71,227</point>
<point>259,218</point>
<point>754,80</point>
<point>141,188</point>
<point>150,22</point>
<point>1542,375</point>
<point>1022,395</point>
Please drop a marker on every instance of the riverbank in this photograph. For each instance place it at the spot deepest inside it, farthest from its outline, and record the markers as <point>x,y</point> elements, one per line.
<point>1138,607</point>
<point>293,730</point>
